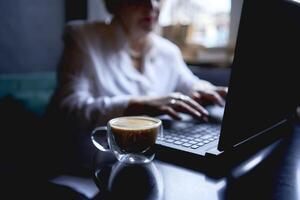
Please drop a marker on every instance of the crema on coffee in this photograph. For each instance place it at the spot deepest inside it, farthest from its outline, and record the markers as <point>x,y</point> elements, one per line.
<point>134,134</point>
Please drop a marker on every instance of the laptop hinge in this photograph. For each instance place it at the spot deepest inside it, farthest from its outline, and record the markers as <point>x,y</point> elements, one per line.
<point>214,151</point>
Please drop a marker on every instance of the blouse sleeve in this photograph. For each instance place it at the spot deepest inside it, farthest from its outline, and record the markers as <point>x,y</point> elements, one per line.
<point>187,80</point>
<point>74,94</point>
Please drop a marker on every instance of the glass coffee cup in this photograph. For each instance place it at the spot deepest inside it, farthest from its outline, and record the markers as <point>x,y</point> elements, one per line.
<point>130,138</point>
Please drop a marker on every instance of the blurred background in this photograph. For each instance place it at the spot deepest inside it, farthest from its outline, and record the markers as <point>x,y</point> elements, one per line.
<point>31,41</point>
<point>31,30</point>
<point>205,30</point>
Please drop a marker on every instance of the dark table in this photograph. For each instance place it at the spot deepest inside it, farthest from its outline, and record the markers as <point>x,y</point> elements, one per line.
<point>272,173</point>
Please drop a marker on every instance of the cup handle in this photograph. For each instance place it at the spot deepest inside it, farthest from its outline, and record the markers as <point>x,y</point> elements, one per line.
<point>99,138</point>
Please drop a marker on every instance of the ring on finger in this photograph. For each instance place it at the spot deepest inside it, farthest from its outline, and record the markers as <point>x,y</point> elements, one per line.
<point>173,101</point>
<point>184,97</point>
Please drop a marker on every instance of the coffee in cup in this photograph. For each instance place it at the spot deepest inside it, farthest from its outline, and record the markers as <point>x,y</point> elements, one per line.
<point>131,138</point>
<point>134,134</point>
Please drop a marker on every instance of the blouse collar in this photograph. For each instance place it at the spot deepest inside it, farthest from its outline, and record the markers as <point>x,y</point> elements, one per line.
<point>123,42</point>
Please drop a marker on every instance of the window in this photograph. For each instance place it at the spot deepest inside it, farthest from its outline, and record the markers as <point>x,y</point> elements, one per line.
<point>207,22</point>
<point>201,28</point>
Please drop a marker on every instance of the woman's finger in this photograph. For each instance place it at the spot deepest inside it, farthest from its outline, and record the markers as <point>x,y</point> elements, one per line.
<point>214,97</point>
<point>182,107</point>
<point>191,102</point>
<point>170,111</point>
<point>222,91</point>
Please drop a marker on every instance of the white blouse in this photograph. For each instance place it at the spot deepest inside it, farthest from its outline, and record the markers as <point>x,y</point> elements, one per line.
<point>97,77</point>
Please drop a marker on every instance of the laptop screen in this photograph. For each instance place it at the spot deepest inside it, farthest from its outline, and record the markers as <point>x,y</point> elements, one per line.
<point>263,83</point>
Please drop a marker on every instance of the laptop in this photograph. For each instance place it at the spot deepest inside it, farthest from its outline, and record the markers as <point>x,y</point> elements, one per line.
<point>260,103</point>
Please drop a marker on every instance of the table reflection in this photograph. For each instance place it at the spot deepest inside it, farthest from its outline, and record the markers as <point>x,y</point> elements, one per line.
<point>270,173</point>
<point>118,180</point>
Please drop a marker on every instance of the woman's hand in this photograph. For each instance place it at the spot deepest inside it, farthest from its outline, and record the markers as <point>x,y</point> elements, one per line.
<point>171,105</point>
<point>212,95</point>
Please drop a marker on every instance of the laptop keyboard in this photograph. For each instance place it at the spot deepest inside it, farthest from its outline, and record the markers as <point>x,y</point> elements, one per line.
<point>191,135</point>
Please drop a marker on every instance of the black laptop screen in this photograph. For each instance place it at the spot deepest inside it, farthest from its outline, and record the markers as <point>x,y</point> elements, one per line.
<point>264,84</point>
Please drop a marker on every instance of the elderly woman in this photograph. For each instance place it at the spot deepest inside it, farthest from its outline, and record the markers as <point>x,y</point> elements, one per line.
<point>124,68</point>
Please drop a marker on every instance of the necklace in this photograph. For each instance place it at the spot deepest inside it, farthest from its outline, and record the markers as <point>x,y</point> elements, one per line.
<point>135,54</point>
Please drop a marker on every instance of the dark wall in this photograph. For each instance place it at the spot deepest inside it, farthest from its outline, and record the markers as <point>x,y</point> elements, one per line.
<point>76,9</point>
<point>30,35</point>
